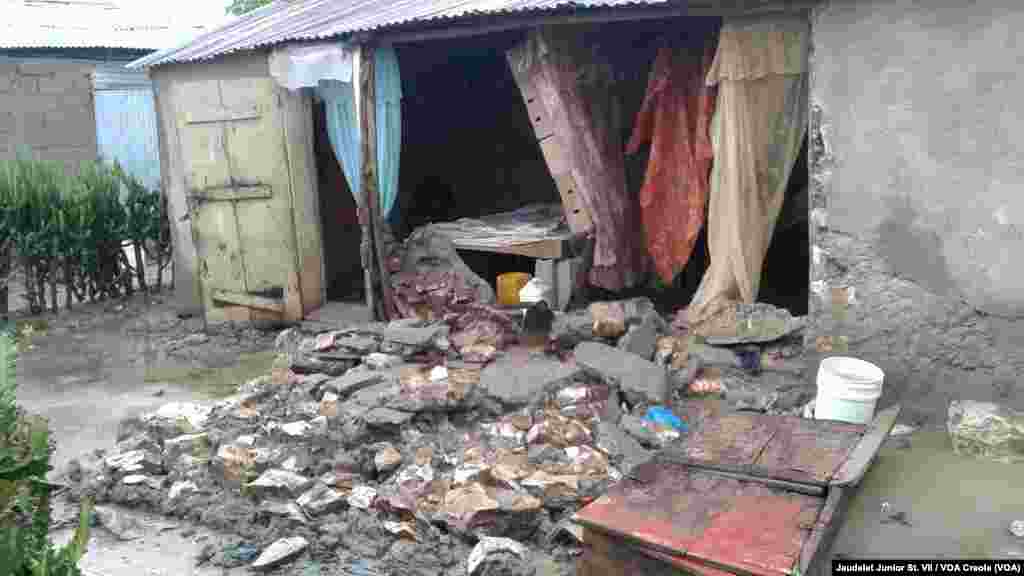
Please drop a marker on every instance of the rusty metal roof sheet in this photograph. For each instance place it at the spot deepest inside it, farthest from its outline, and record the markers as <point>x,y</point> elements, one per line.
<point>297,20</point>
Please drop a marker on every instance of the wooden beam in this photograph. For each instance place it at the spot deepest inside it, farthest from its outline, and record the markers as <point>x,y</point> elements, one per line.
<point>248,300</point>
<point>853,470</point>
<point>368,133</point>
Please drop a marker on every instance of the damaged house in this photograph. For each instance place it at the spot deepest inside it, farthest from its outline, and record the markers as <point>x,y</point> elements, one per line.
<point>319,152</point>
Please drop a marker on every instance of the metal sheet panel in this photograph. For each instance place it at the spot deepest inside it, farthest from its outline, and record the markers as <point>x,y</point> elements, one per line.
<point>319,19</point>
<point>75,24</point>
<point>126,132</point>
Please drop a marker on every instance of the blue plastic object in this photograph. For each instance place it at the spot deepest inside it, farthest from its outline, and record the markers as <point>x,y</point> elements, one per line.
<point>664,417</point>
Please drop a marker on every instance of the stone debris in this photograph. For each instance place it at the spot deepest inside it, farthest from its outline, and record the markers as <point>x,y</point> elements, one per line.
<point>387,459</point>
<point>277,483</point>
<point>280,552</point>
<point>1017,528</point>
<point>640,380</point>
<point>135,462</point>
<point>518,381</point>
<point>142,479</point>
<point>195,445</point>
<point>492,556</point>
<point>986,430</point>
<point>117,523</point>
<point>404,444</point>
<point>362,497</point>
<point>321,499</point>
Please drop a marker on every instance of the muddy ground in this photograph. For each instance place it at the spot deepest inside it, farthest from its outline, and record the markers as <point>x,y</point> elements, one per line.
<point>91,369</point>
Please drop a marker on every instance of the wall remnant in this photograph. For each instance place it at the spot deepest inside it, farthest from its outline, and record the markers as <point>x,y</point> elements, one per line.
<point>46,109</point>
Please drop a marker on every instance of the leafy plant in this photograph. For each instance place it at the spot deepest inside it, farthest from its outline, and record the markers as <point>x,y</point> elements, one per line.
<point>25,547</point>
<point>68,231</point>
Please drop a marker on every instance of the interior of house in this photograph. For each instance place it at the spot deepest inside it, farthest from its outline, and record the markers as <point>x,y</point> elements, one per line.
<point>469,150</point>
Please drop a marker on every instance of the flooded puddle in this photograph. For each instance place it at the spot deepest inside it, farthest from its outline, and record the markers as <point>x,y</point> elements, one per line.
<point>214,382</point>
<point>957,507</point>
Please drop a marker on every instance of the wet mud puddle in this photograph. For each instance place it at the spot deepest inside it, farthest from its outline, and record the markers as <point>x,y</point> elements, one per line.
<point>924,501</point>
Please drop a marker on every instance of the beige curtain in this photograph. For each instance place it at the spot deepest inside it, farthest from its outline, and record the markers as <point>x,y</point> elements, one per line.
<point>759,123</point>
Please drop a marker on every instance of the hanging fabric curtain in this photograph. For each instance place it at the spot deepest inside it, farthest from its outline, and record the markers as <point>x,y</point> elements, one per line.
<point>675,117</point>
<point>573,81</point>
<point>343,128</point>
<point>759,123</point>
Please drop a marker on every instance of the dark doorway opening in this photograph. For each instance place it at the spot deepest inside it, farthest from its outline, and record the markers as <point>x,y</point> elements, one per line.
<point>339,219</point>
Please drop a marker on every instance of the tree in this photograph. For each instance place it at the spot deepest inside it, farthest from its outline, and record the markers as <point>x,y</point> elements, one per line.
<point>239,7</point>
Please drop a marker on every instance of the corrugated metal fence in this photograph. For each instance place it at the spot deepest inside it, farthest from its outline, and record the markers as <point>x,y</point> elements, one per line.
<point>126,129</point>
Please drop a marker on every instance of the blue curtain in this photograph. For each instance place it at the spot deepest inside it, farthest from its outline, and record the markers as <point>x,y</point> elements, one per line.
<point>343,128</point>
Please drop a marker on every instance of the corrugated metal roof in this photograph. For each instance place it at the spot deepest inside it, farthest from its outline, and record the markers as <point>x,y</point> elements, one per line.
<point>91,24</point>
<point>296,20</point>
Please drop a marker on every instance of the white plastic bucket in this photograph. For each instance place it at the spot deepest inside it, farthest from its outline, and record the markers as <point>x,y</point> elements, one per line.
<point>535,291</point>
<point>848,390</point>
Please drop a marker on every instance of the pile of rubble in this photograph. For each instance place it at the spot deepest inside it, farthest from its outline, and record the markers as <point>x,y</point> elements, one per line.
<point>421,447</point>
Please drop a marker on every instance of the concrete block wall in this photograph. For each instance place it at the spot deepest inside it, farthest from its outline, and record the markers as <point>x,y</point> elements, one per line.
<point>46,107</point>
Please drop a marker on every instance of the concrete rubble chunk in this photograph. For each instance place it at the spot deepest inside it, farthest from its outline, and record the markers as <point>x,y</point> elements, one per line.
<point>135,462</point>
<point>644,434</point>
<point>387,459</point>
<point>122,526</point>
<point>383,416</point>
<point>641,339</point>
<point>493,556</point>
<point>358,344</point>
<point>1017,528</point>
<point>329,405</point>
<point>517,381</point>
<point>620,446</point>
<point>353,381</point>
<point>417,337</point>
<point>182,488</point>
<point>234,461</point>
<point>195,445</point>
<point>280,552</point>
<point>609,319</point>
<point>571,328</point>
<point>362,497</point>
<point>639,380</point>
<point>986,430</point>
<point>321,499</point>
<point>288,510</point>
<point>142,479</point>
<point>179,418</point>
<point>379,361</point>
<point>279,483</point>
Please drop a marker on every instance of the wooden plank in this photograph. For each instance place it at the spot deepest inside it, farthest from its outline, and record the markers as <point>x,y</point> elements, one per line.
<point>853,470</point>
<point>368,128</point>
<point>248,300</point>
<point>237,192</point>
<point>761,532</point>
<point>679,511</point>
<point>735,439</point>
<point>805,450</point>
<point>819,542</point>
<point>576,213</point>
<point>225,114</point>
<point>551,249</point>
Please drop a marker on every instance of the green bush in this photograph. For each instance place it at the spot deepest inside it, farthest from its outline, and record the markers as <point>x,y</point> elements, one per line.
<point>25,450</point>
<point>63,230</point>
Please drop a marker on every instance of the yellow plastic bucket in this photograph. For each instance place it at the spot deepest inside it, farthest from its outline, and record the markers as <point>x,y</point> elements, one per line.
<point>509,285</point>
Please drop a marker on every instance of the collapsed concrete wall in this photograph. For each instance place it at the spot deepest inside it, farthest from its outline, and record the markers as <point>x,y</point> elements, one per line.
<point>914,185</point>
<point>46,108</point>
